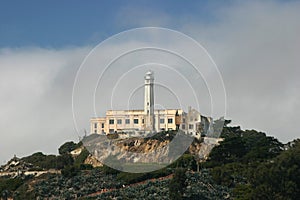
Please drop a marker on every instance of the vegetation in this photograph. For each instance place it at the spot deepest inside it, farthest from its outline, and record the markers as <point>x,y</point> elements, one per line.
<point>130,178</point>
<point>7,185</point>
<point>68,147</point>
<point>244,146</point>
<point>163,135</point>
<point>256,166</point>
<point>42,161</point>
<point>178,184</point>
<point>198,186</point>
<point>246,165</point>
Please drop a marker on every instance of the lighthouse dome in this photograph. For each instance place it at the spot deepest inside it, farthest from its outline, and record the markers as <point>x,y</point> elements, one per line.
<point>149,75</point>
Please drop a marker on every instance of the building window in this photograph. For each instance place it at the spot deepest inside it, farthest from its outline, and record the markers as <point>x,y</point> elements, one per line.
<point>102,125</point>
<point>143,121</point>
<point>135,121</point>
<point>183,126</point>
<point>170,121</point>
<point>119,121</point>
<point>95,125</point>
<point>183,120</point>
<point>111,130</point>
<point>162,121</point>
<point>95,130</point>
<point>111,121</point>
<point>127,121</point>
<point>191,126</point>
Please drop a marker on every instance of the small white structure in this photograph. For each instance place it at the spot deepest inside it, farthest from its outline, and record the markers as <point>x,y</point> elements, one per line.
<point>195,124</point>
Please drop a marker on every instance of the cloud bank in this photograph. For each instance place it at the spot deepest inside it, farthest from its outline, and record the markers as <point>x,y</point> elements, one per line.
<point>35,87</point>
<point>256,46</point>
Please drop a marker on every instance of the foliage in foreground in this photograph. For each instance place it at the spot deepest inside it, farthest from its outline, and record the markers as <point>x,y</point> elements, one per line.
<point>246,165</point>
<point>256,166</point>
<point>194,186</point>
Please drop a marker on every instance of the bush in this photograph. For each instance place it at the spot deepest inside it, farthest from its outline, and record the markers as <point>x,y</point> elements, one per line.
<point>178,184</point>
<point>82,157</point>
<point>10,184</point>
<point>67,147</point>
<point>70,171</point>
<point>185,161</point>
<point>108,170</point>
<point>85,167</point>
<point>64,160</point>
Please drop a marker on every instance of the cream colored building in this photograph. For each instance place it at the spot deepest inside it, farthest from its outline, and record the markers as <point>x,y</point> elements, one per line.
<point>134,120</point>
<point>148,119</point>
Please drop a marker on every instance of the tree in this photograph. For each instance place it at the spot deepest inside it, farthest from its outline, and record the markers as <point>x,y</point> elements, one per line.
<point>64,160</point>
<point>178,184</point>
<point>67,147</point>
<point>70,171</point>
<point>232,149</point>
<point>82,157</point>
<point>40,160</point>
<point>185,161</point>
<point>281,177</point>
<point>259,146</point>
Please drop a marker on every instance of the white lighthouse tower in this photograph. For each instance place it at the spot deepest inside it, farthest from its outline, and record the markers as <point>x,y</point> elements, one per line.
<point>149,102</point>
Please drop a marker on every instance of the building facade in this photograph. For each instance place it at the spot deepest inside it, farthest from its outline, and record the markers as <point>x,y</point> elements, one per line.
<point>135,120</point>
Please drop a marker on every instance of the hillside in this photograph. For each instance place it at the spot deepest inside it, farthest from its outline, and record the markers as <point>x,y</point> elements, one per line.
<point>246,165</point>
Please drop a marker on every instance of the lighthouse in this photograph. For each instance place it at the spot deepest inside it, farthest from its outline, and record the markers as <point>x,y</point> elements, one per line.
<point>149,102</point>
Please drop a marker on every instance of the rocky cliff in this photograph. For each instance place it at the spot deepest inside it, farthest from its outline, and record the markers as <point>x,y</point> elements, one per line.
<point>160,149</point>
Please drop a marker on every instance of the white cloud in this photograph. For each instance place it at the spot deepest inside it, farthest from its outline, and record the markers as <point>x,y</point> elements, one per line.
<point>255,45</point>
<point>36,86</point>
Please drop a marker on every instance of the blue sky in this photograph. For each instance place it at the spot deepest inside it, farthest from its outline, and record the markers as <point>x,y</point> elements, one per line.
<point>48,24</point>
<point>255,45</point>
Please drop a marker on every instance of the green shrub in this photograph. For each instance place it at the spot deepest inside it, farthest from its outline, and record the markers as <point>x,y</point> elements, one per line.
<point>67,147</point>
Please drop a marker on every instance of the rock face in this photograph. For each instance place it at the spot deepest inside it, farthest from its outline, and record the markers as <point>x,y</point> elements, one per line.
<point>141,150</point>
<point>162,149</point>
<point>141,145</point>
<point>91,160</point>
